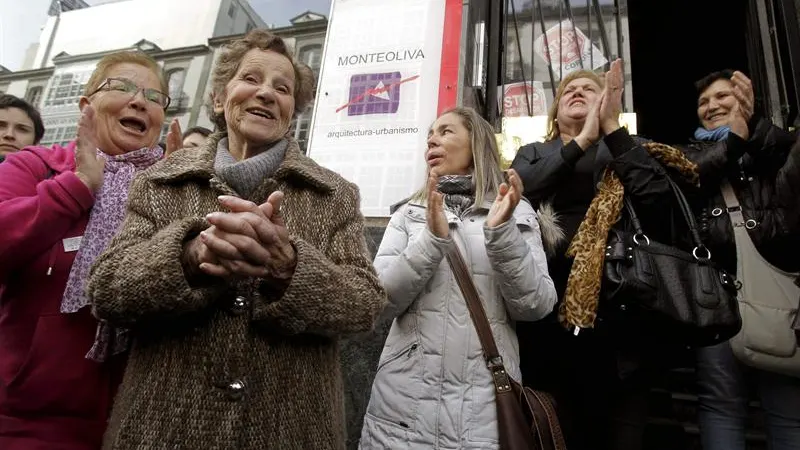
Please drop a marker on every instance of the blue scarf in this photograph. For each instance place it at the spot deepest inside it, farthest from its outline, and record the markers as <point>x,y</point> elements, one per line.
<point>717,134</point>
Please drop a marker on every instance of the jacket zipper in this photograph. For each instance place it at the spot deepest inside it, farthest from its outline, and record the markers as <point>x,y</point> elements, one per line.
<point>52,262</point>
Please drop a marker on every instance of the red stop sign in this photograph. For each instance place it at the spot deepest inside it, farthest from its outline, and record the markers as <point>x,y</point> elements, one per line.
<point>515,103</point>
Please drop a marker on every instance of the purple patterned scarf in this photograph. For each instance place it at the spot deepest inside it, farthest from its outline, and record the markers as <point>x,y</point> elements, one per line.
<point>105,219</point>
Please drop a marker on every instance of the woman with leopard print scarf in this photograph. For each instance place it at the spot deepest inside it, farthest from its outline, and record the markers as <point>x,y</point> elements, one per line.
<point>589,159</point>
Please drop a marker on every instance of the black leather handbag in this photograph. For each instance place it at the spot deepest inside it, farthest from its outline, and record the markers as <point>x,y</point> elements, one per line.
<point>657,292</point>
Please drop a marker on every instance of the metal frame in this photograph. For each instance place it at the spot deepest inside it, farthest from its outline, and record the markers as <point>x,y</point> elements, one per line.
<point>495,55</point>
<point>498,20</point>
<point>791,33</point>
<point>773,91</point>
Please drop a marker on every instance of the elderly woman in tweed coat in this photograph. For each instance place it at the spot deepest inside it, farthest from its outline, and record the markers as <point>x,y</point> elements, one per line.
<point>237,268</point>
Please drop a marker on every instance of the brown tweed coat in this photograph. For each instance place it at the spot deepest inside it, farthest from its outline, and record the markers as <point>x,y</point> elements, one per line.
<point>234,365</point>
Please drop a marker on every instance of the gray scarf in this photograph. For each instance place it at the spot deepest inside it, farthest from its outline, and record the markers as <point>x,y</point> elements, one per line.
<point>246,175</point>
<point>459,192</point>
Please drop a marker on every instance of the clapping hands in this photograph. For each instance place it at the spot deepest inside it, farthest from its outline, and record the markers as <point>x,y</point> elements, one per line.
<point>506,201</point>
<point>174,138</point>
<point>88,165</point>
<point>611,98</point>
<point>745,100</point>
<point>603,116</point>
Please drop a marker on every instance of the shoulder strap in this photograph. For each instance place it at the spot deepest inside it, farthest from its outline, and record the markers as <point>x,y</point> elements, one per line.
<point>476,311</point>
<point>733,208</point>
<point>729,195</point>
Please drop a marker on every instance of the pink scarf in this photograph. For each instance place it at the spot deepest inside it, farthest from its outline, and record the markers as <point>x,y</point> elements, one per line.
<point>105,219</point>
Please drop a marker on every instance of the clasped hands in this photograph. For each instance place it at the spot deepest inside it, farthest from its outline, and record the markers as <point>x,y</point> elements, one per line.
<point>249,241</point>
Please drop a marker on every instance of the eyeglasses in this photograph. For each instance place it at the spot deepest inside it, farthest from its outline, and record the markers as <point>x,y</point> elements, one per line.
<point>127,86</point>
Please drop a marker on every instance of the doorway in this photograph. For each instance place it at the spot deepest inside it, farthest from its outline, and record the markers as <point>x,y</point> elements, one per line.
<point>672,45</point>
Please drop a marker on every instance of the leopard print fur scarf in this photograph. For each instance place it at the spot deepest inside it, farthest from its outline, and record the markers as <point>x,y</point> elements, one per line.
<point>579,308</point>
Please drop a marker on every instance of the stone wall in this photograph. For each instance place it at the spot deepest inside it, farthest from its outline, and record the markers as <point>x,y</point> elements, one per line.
<point>359,357</point>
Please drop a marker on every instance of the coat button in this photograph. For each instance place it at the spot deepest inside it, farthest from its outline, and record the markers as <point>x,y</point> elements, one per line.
<point>236,390</point>
<point>238,306</point>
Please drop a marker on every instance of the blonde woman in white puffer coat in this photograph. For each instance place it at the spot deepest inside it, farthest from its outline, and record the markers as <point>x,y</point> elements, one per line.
<point>433,389</point>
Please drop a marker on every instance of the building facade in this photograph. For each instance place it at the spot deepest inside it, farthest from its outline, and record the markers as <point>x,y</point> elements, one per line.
<point>186,53</point>
<point>59,6</point>
<point>56,88</point>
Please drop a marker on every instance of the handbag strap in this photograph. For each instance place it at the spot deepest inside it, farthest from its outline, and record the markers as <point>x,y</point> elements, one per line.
<point>686,212</point>
<point>479,320</point>
<point>734,210</point>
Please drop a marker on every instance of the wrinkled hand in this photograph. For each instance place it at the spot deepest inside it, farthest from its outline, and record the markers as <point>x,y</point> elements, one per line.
<point>249,241</point>
<point>283,257</point>
<point>506,201</point>
<point>88,165</point>
<point>590,133</point>
<point>174,138</point>
<point>436,219</point>
<point>197,253</point>
<point>611,105</point>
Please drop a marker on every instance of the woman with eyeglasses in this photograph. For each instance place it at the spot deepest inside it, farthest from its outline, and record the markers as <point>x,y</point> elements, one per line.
<point>59,208</point>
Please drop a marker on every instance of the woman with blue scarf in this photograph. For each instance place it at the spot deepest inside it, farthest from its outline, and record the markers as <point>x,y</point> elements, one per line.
<point>761,162</point>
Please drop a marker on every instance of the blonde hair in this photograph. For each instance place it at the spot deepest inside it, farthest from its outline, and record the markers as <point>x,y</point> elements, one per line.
<point>109,61</point>
<point>231,58</point>
<point>486,174</point>
<point>552,124</point>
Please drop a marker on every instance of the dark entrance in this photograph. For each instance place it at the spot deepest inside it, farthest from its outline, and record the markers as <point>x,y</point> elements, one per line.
<point>673,44</point>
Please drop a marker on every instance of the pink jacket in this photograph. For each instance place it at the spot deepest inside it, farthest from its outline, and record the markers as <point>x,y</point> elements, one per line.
<point>51,396</point>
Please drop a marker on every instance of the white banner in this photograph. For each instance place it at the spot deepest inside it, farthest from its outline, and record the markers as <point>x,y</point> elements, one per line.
<point>567,49</point>
<point>377,96</point>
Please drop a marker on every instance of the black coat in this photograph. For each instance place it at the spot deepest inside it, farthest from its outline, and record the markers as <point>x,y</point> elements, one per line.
<point>765,174</point>
<point>583,372</point>
<point>566,177</point>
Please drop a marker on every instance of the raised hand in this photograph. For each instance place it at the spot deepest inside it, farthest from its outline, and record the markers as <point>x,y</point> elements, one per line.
<point>174,136</point>
<point>88,165</point>
<point>611,105</point>
<point>590,133</point>
<point>743,91</point>
<point>506,201</point>
<point>436,219</point>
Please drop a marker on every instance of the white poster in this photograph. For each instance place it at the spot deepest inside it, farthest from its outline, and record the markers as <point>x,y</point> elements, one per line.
<point>523,99</point>
<point>377,96</point>
<point>568,49</point>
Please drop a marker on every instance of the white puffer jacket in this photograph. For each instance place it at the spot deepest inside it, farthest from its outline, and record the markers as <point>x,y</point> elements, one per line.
<point>433,389</point>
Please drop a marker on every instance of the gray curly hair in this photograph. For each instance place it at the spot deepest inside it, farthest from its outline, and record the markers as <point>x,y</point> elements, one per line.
<point>231,58</point>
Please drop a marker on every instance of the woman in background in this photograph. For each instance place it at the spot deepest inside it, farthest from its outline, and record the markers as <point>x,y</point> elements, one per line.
<point>20,125</point>
<point>600,388</point>
<point>59,208</point>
